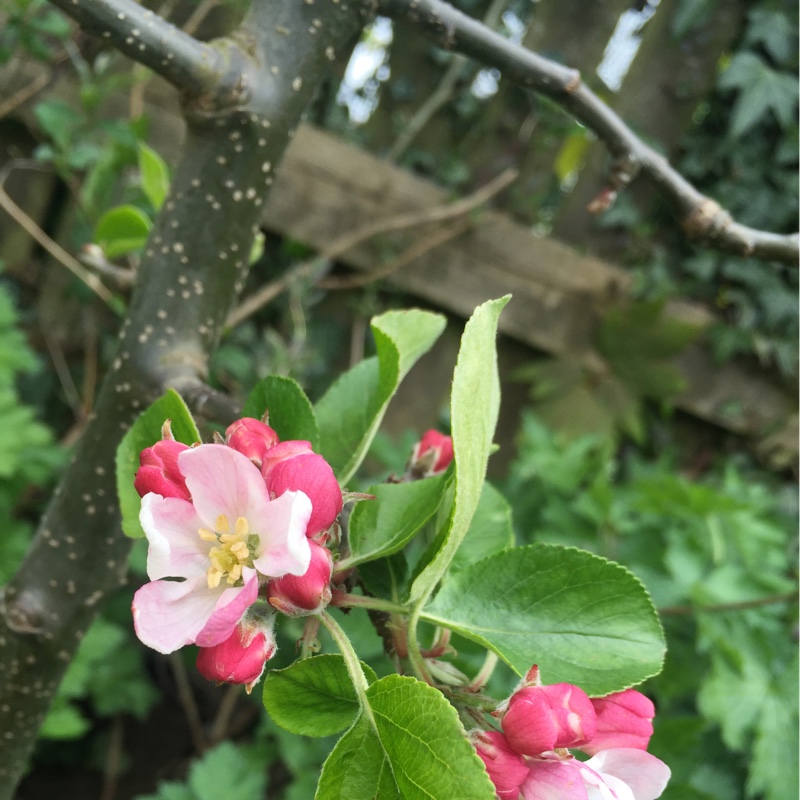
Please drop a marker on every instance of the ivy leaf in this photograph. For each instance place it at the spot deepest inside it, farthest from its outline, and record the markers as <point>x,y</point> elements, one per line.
<point>145,432</point>
<point>386,524</point>
<point>121,230</point>
<point>352,409</point>
<point>474,406</point>
<point>761,89</point>
<point>581,618</point>
<point>313,697</point>
<point>291,414</point>
<point>772,30</point>
<point>414,748</point>
<point>154,176</point>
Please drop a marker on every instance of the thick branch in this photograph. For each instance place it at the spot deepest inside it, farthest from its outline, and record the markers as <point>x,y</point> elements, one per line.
<point>191,66</point>
<point>192,270</point>
<point>702,218</point>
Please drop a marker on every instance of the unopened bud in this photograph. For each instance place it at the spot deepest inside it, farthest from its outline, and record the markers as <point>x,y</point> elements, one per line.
<point>541,718</point>
<point>251,437</point>
<point>507,769</point>
<point>301,595</point>
<point>159,472</point>
<point>294,466</point>
<point>432,455</point>
<point>624,719</point>
<point>241,658</point>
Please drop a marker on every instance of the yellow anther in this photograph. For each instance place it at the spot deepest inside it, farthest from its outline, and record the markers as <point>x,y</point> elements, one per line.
<point>223,526</point>
<point>242,526</point>
<point>214,576</point>
<point>234,574</point>
<point>206,535</point>
<point>241,551</point>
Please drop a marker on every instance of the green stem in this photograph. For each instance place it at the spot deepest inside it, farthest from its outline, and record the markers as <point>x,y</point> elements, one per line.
<point>344,600</point>
<point>350,659</point>
<point>414,653</point>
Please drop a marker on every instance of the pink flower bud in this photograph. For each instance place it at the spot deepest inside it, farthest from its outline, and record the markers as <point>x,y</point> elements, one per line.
<point>432,454</point>
<point>507,769</point>
<point>241,658</point>
<point>293,466</point>
<point>541,718</point>
<point>299,596</point>
<point>159,472</point>
<point>251,437</point>
<point>624,719</point>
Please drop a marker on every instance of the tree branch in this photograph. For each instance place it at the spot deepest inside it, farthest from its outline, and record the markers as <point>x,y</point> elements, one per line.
<point>701,218</point>
<point>192,270</point>
<point>191,66</point>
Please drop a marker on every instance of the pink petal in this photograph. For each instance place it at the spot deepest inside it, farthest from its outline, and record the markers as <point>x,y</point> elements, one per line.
<point>231,605</point>
<point>223,481</point>
<point>646,775</point>
<point>284,548</point>
<point>553,780</point>
<point>169,614</point>
<point>176,550</point>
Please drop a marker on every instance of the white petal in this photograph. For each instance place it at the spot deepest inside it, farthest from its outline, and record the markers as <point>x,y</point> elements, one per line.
<point>230,607</point>
<point>223,481</point>
<point>176,550</point>
<point>169,614</point>
<point>284,548</point>
<point>646,775</point>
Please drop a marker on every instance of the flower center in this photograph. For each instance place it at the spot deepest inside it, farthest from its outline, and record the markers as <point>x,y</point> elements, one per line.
<point>234,550</point>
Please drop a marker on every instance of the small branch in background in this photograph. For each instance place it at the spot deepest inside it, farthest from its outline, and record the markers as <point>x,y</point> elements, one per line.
<point>222,721</point>
<point>411,253</point>
<point>52,247</point>
<point>702,218</point>
<point>198,16</point>
<point>443,91</point>
<point>187,701</point>
<point>93,258</point>
<point>34,87</point>
<point>68,386</point>
<point>352,239</point>
<point>113,763</point>
<point>674,611</point>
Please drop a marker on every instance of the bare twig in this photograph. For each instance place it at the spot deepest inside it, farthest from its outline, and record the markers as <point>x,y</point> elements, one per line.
<point>702,218</point>
<point>26,92</point>
<point>222,721</point>
<point>443,91</point>
<point>52,247</point>
<point>352,239</point>
<point>113,764</point>
<point>411,253</point>
<point>62,371</point>
<point>772,599</point>
<point>187,701</point>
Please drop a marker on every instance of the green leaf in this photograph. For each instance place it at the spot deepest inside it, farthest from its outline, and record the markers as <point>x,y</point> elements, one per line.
<point>415,750</point>
<point>474,406</point>
<point>59,121</point>
<point>290,411</point>
<point>385,525</point>
<point>761,89</point>
<point>154,175</point>
<point>64,721</point>
<point>313,697</point>
<point>145,432</point>
<point>224,772</point>
<point>352,409</point>
<point>491,530</point>
<point>121,230</point>
<point>581,618</point>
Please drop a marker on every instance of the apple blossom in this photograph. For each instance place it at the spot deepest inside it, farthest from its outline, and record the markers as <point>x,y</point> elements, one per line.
<point>251,437</point>
<point>507,769</point>
<point>540,718</point>
<point>301,595</point>
<point>218,542</point>
<point>615,774</point>
<point>432,454</point>
<point>624,719</point>
<point>294,466</point>
<point>159,470</point>
<point>241,658</point>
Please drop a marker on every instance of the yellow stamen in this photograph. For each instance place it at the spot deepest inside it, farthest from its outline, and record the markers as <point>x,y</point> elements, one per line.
<point>223,526</point>
<point>232,554</point>
<point>242,526</point>
<point>206,535</point>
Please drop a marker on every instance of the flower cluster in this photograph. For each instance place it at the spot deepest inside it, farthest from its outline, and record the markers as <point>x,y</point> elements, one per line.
<point>230,526</point>
<point>529,759</point>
